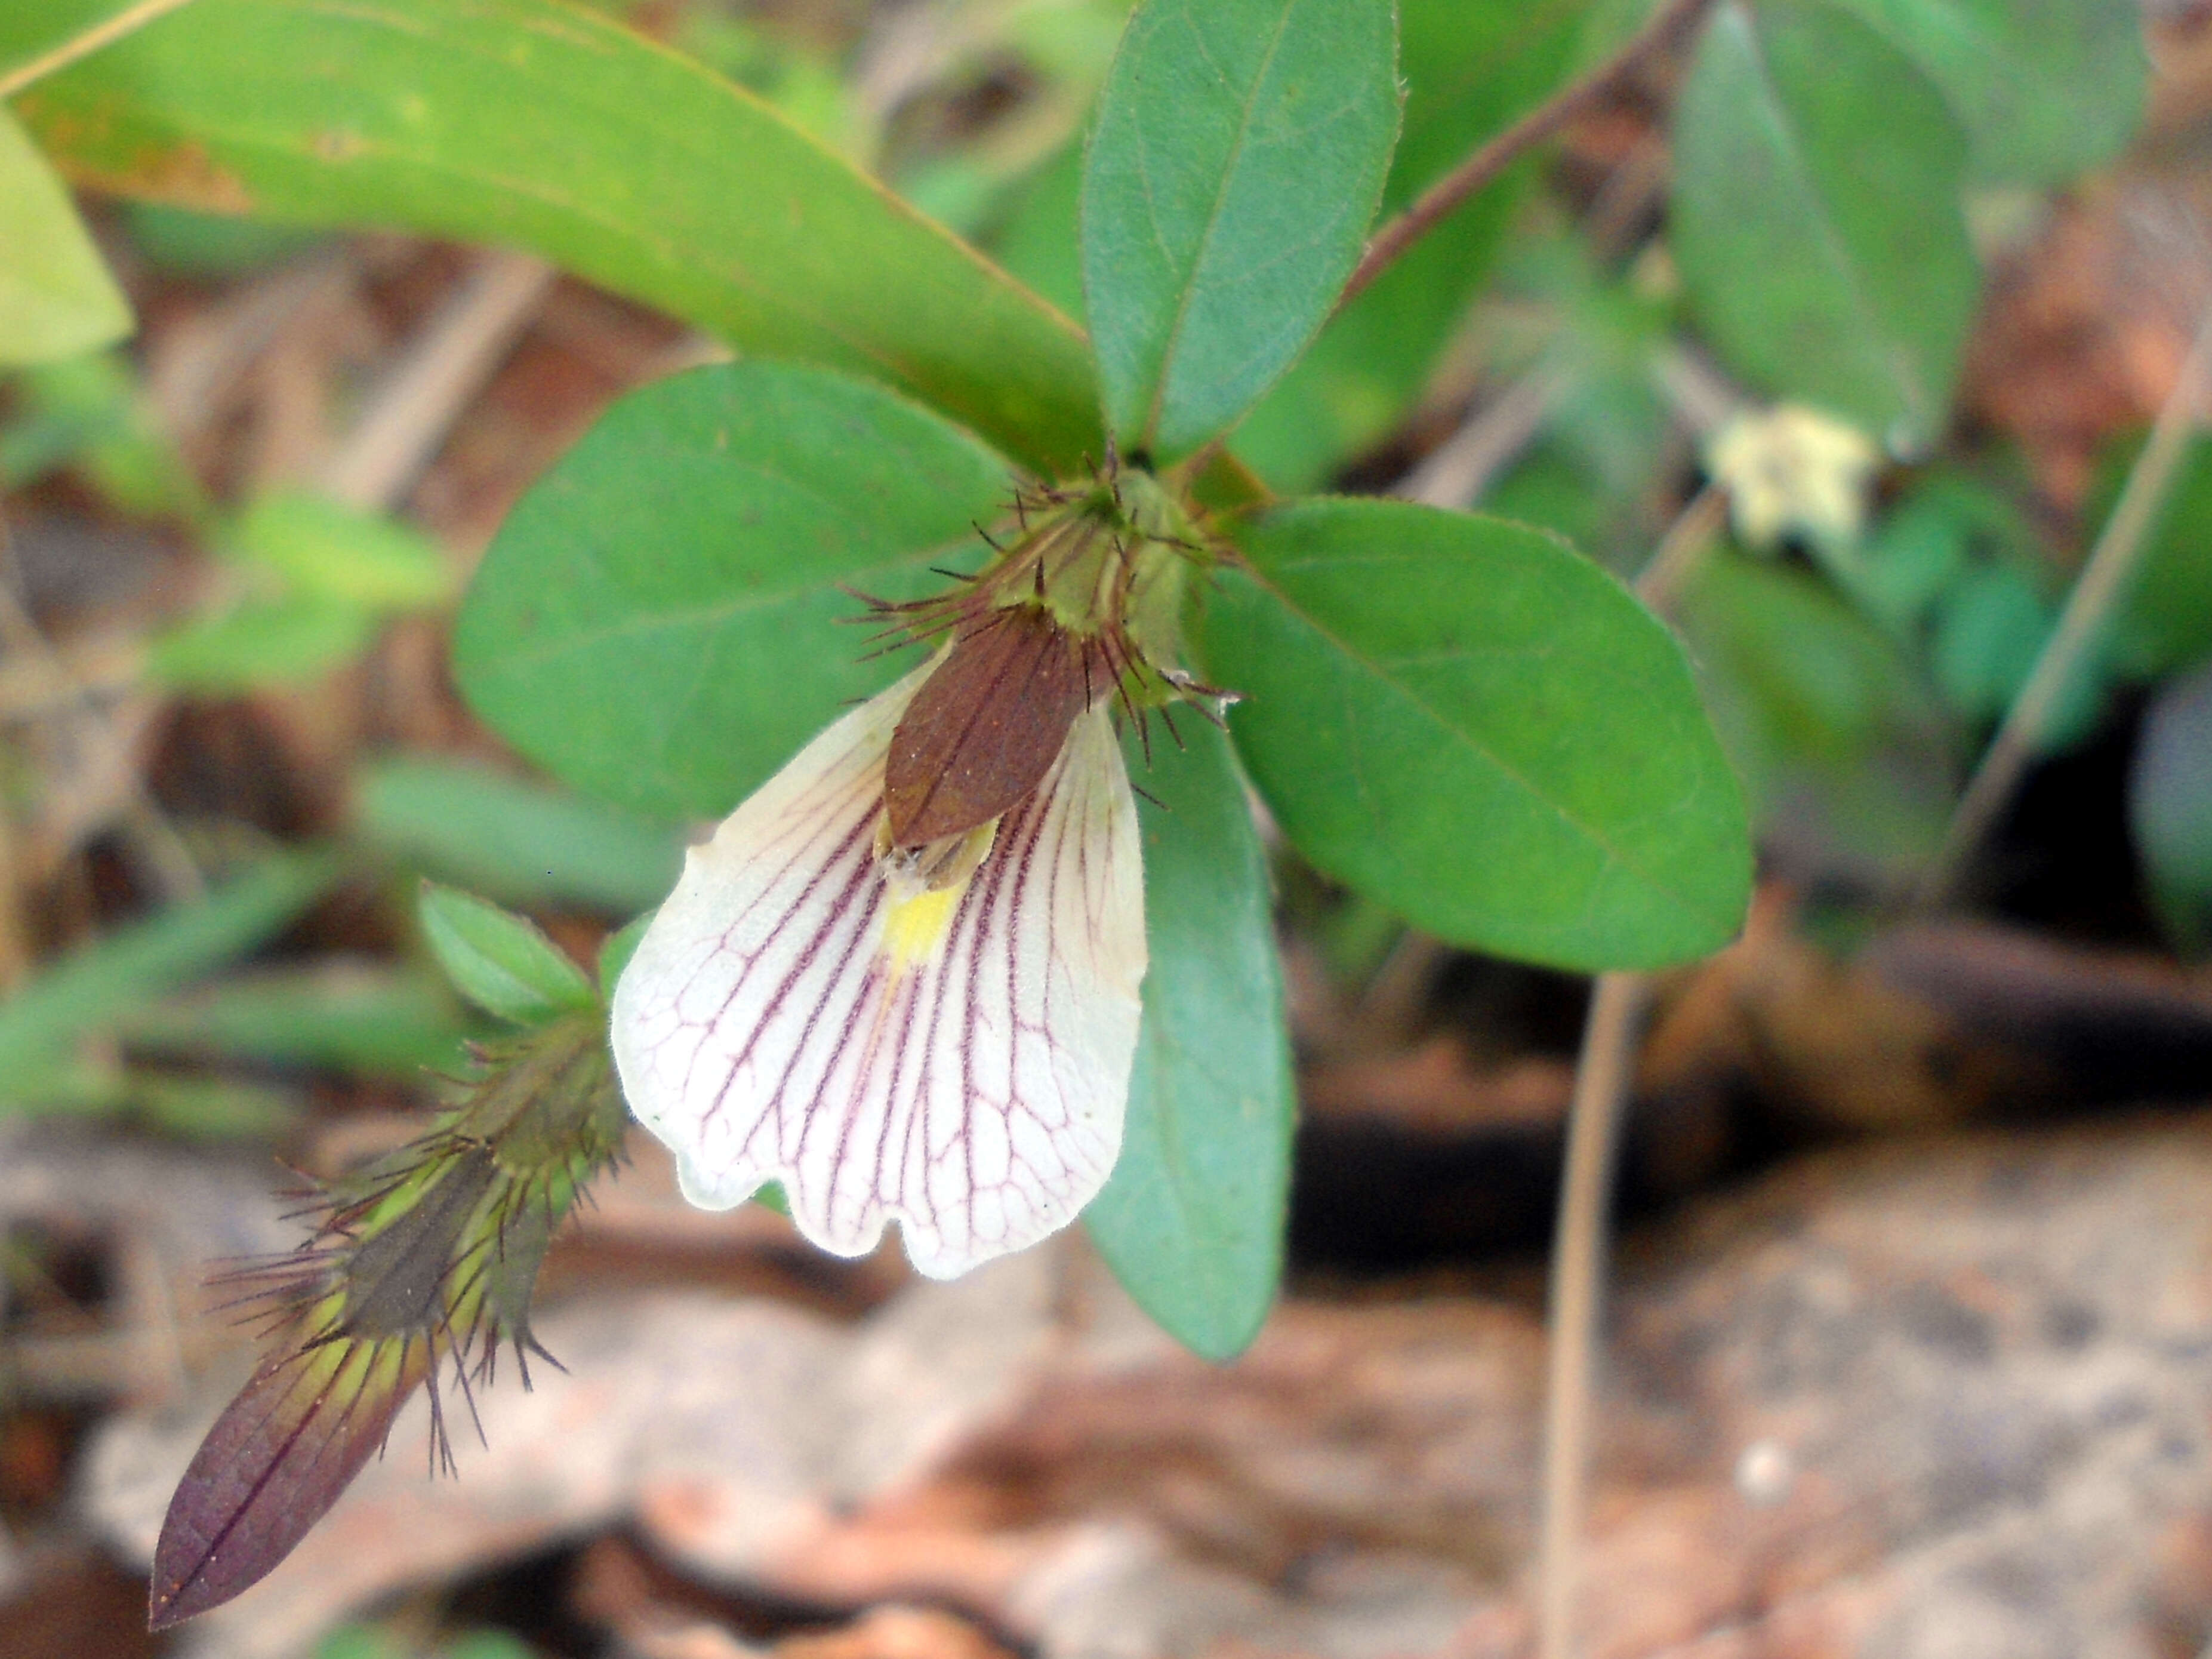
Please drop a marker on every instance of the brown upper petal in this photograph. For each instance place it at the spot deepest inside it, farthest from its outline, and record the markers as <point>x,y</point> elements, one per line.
<point>985,727</point>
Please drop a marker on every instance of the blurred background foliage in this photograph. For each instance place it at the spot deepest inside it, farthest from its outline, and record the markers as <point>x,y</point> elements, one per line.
<point>1543,353</point>
<point>230,544</point>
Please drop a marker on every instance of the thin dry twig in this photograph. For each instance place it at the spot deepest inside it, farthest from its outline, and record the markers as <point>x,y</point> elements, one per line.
<point>1604,1072</point>
<point>1603,1075</point>
<point>2100,587</point>
<point>449,362</point>
<point>34,688</point>
<point>129,20</point>
<point>1678,550</point>
<point>1568,105</point>
<point>1457,471</point>
<point>195,365</point>
<point>112,741</point>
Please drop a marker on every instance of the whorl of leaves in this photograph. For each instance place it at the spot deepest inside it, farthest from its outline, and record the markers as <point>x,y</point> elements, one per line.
<point>422,1263</point>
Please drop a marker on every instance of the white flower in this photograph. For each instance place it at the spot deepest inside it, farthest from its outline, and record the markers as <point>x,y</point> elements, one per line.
<point>940,1035</point>
<point>1792,470</point>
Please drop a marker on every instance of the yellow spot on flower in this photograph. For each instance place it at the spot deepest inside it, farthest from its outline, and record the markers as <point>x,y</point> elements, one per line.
<point>915,928</point>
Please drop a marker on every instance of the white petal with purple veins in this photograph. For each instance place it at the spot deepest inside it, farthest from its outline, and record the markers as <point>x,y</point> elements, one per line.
<point>955,1058</point>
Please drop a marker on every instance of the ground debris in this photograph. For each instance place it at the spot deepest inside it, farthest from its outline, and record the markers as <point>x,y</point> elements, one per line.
<point>1886,1399</point>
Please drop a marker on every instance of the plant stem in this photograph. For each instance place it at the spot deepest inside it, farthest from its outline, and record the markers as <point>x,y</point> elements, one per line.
<point>1603,1077</point>
<point>1570,104</point>
<point>2101,586</point>
<point>126,22</point>
<point>1605,1072</point>
<point>1681,548</point>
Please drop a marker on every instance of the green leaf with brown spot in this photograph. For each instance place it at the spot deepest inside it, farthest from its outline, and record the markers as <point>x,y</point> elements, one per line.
<point>550,127</point>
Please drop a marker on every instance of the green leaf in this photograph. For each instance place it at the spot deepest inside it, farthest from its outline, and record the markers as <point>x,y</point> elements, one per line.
<point>37,37</point>
<point>2170,807</point>
<point>1037,241</point>
<point>655,623</point>
<point>209,1109</point>
<point>347,1016</point>
<point>1469,721</point>
<point>1989,628</point>
<point>498,960</point>
<point>86,412</point>
<point>1835,733</point>
<point>260,643</point>
<point>520,843</point>
<point>548,126</point>
<point>1192,1219</point>
<point>2165,622</point>
<point>327,550</point>
<point>211,246</point>
<point>1925,543</point>
<point>1471,68</point>
<point>1240,149</point>
<point>1828,687</point>
<point>56,297</point>
<point>97,985</point>
<point>1816,216</point>
<point>2045,88</point>
<point>617,949</point>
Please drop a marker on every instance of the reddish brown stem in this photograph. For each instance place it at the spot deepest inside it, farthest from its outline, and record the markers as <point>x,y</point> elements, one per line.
<point>1568,105</point>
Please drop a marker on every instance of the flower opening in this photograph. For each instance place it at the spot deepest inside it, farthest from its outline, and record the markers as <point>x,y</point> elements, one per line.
<point>902,978</point>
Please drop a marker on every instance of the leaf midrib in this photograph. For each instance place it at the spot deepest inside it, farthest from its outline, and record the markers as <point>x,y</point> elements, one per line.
<point>1189,289</point>
<point>1840,258</point>
<point>724,611</point>
<point>1472,743</point>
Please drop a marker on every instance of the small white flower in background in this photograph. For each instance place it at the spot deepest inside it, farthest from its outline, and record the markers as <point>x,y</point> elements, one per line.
<point>902,980</point>
<point>1793,471</point>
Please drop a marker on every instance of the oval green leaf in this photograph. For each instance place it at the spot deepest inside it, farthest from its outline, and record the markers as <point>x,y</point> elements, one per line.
<point>57,299</point>
<point>1240,149</point>
<point>1192,1219</point>
<point>498,960</point>
<point>548,126</point>
<point>656,621</point>
<point>1816,216</point>
<point>2045,88</point>
<point>1471,68</point>
<point>1468,720</point>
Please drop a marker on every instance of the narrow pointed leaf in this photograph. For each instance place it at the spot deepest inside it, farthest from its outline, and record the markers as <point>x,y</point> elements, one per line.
<point>57,299</point>
<point>1817,220</point>
<point>516,842</point>
<point>1472,723</point>
<point>332,551</point>
<point>1240,149</point>
<point>96,986</point>
<point>498,960</point>
<point>617,949</point>
<point>276,1460</point>
<point>1192,1219</point>
<point>334,1012</point>
<point>653,623</point>
<point>1471,68</point>
<point>548,126</point>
